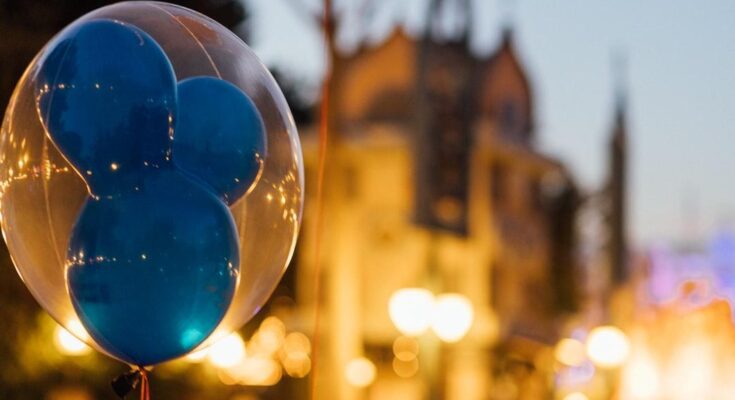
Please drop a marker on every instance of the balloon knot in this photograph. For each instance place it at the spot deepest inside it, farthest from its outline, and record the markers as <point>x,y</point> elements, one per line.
<point>129,381</point>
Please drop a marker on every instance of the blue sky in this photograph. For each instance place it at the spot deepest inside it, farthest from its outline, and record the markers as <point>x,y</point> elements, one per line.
<point>680,78</point>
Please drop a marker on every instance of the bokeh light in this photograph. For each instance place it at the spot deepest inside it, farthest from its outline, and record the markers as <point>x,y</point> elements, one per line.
<point>453,317</point>
<point>607,347</point>
<point>197,356</point>
<point>295,355</point>
<point>269,337</point>
<point>411,310</point>
<point>405,368</point>
<point>360,372</point>
<point>405,348</point>
<point>253,371</point>
<point>641,378</point>
<point>576,396</point>
<point>69,344</point>
<point>297,365</point>
<point>297,342</point>
<point>570,352</point>
<point>227,352</point>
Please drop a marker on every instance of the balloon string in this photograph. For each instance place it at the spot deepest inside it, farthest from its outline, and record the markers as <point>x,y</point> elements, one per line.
<point>145,392</point>
<point>323,141</point>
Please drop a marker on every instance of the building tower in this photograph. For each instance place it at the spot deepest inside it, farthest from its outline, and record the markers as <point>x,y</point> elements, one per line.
<point>617,187</point>
<point>443,118</point>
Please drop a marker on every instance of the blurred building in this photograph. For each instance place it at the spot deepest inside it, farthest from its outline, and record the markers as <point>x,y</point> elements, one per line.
<point>433,180</point>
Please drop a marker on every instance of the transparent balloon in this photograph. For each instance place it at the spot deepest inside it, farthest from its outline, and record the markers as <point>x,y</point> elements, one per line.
<point>42,191</point>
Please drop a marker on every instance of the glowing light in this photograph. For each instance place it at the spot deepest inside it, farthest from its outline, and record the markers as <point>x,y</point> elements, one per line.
<point>691,372</point>
<point>197,356</point>
<point>608,347</point>
<point>77,329</point>
<point>453,317</point>
<point>69,344</point>
<point>411,310</point>
<point>297,364</point>
<point>405,348</point>
<point>226,378</point>
<point>570,352</point>
<point>576,396</point>
<point>296,342</point>
<point>640,378</point>
<point>360,372</point>
<point>270,337</point>
<point>114,166</point>
<point>227,352</point>
<point>253,371</point>
<point>405,368</point>
<point>295,355</point>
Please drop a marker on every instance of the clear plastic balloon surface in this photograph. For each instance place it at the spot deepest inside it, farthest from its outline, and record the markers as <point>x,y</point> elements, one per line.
<point>151,181</point>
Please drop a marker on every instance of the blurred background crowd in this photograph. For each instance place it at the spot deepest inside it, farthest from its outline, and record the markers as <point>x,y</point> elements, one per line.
<point>521,201</point>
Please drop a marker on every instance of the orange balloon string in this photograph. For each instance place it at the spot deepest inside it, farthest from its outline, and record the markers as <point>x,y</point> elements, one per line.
<point>145,393</point>
<point>323,141</point>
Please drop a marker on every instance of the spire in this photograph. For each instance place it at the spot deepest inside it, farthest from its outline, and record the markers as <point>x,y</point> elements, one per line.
<point>618,178</point>
<point>506,35</point>
<point>620,76</point>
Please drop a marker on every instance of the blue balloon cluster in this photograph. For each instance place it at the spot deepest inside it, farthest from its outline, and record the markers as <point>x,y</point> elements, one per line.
<point>153,259</point>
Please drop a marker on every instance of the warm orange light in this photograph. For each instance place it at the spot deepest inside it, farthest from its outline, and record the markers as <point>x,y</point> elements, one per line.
<point>296,342</point>
<point>69,344</point>
<point>641,378</point>
<point>452,317</point>
<point>197,356</point>
<point>411,310</point>
<point>405,348</point>
<point>570,352</point>
<point>576,396</point>
<point>253,371</point>
<point>360,372</point>
<point>228,351</point>
<point>295,355</point>
<point>405,368</point>
<point>269,338</point>
<point>608,347</point>
<point>297,365</point>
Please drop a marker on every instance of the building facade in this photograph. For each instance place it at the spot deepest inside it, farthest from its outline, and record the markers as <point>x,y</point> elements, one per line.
<point>433,180</point>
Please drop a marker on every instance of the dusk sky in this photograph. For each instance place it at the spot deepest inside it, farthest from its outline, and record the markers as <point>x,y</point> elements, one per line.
<point>680,80</point>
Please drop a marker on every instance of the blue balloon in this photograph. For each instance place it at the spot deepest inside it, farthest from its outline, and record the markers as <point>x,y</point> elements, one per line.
<point>219,137</point>
<point>107,96</point>
<point>152,273</point>
<point>153,259</point>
